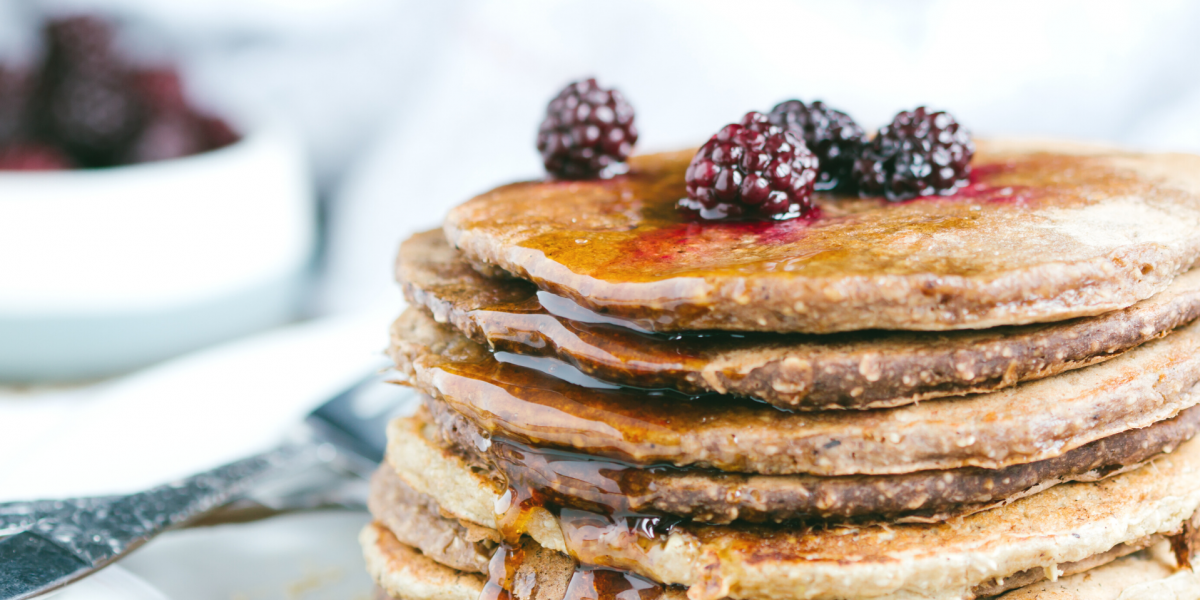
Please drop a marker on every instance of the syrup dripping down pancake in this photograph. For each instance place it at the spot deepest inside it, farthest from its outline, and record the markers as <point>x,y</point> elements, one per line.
<point>712,496</point>
<point>1034,421</point>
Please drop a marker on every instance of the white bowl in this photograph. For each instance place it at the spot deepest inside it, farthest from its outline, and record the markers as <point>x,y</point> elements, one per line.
<point>103,271</point>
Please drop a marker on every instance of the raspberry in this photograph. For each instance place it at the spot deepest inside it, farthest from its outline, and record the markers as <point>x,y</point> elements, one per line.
<point>751,169</point>
<point>831,134</point>
<point>161,90</point>
<point>588,132</point>
<point>171,129</point>
<point>167,135</point>
<point>29,156</point>
<point>217,133</point>
<point>920,153</point>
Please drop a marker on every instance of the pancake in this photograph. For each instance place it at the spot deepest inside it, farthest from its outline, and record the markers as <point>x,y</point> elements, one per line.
<point>857,370</point>
<point>712,496</point>
<point>1145,575</point>
<point>402,571</point>
<point>1031,422</point>
<point>457,545</point>
<point>1065,524</point>
<point>554,574</point>
<point>1148,575</point>
<point>1046,232</point>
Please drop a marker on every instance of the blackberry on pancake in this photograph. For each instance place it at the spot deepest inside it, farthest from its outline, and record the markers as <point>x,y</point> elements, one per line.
<point>588,132</point>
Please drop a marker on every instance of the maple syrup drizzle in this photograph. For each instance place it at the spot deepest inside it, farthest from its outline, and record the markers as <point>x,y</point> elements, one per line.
<point>588,582</point>
<point>662,240</point>
<point>596,583</point>
<point>598,526</point>
<point>602,533</point>
<point>605,547</point>
<point>502,571</point>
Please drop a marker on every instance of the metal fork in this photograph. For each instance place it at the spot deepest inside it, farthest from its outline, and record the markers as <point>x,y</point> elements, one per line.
<point>51,543</point>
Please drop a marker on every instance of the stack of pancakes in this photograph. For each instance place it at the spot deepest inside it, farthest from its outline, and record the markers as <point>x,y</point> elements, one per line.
<point>992,393</point>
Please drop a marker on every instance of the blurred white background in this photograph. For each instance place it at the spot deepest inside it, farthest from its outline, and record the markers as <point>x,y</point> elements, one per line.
<point>406,107</point>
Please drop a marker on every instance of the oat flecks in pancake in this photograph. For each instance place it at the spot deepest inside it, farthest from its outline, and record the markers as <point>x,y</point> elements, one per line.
<point>1034,421</point>
<point>860,370</point>
<point>1097,231</point>
<point>1146,575</point>
<point>404,572</point>
<point>407,514</point>
<point>1064,524</point>
<point>546,575</point>
<point>712,496</point>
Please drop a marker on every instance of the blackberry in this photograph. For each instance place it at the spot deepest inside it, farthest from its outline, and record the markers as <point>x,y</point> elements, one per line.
<point>95,118</point>
<point>831,134</point>
<point>920,153</point>
<point>15,91</point>
<point>87,99</point>
<point>81,42</point>
<point>751,169</point>
<point>588,132</point>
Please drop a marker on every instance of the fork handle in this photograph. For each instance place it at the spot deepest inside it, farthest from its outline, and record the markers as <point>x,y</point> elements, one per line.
<point>100,529</point>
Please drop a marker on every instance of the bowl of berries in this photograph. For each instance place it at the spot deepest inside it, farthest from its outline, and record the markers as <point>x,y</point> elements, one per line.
<point>133,226</point>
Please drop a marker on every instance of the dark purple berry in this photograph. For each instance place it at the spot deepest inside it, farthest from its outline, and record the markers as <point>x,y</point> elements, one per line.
<point>16,89</point>
<point>30,156</point>
<point>751,169</point>
<point>588,132</point>
<point>920,153</point>
<point>94,118</point>
<point>87,99</point>
<point>831,134</point>
<point>79,43</point>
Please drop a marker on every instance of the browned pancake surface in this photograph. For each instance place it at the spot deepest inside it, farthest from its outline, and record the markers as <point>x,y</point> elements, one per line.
<point>406,513</point>
<point>854,370</point>
<point>1046,233</point>
<point>1147,575</point>
<point>1065,524</point>
<point>579,481</point>
<point>1034,421</point>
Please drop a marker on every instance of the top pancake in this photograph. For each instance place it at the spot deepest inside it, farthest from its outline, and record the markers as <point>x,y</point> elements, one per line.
<point>1047,232</point>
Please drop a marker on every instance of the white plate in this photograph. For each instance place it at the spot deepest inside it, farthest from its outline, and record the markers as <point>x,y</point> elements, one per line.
<point>311,556</point>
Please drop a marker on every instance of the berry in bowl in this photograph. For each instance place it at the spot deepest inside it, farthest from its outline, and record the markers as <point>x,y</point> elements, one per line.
<point>134,227</point>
